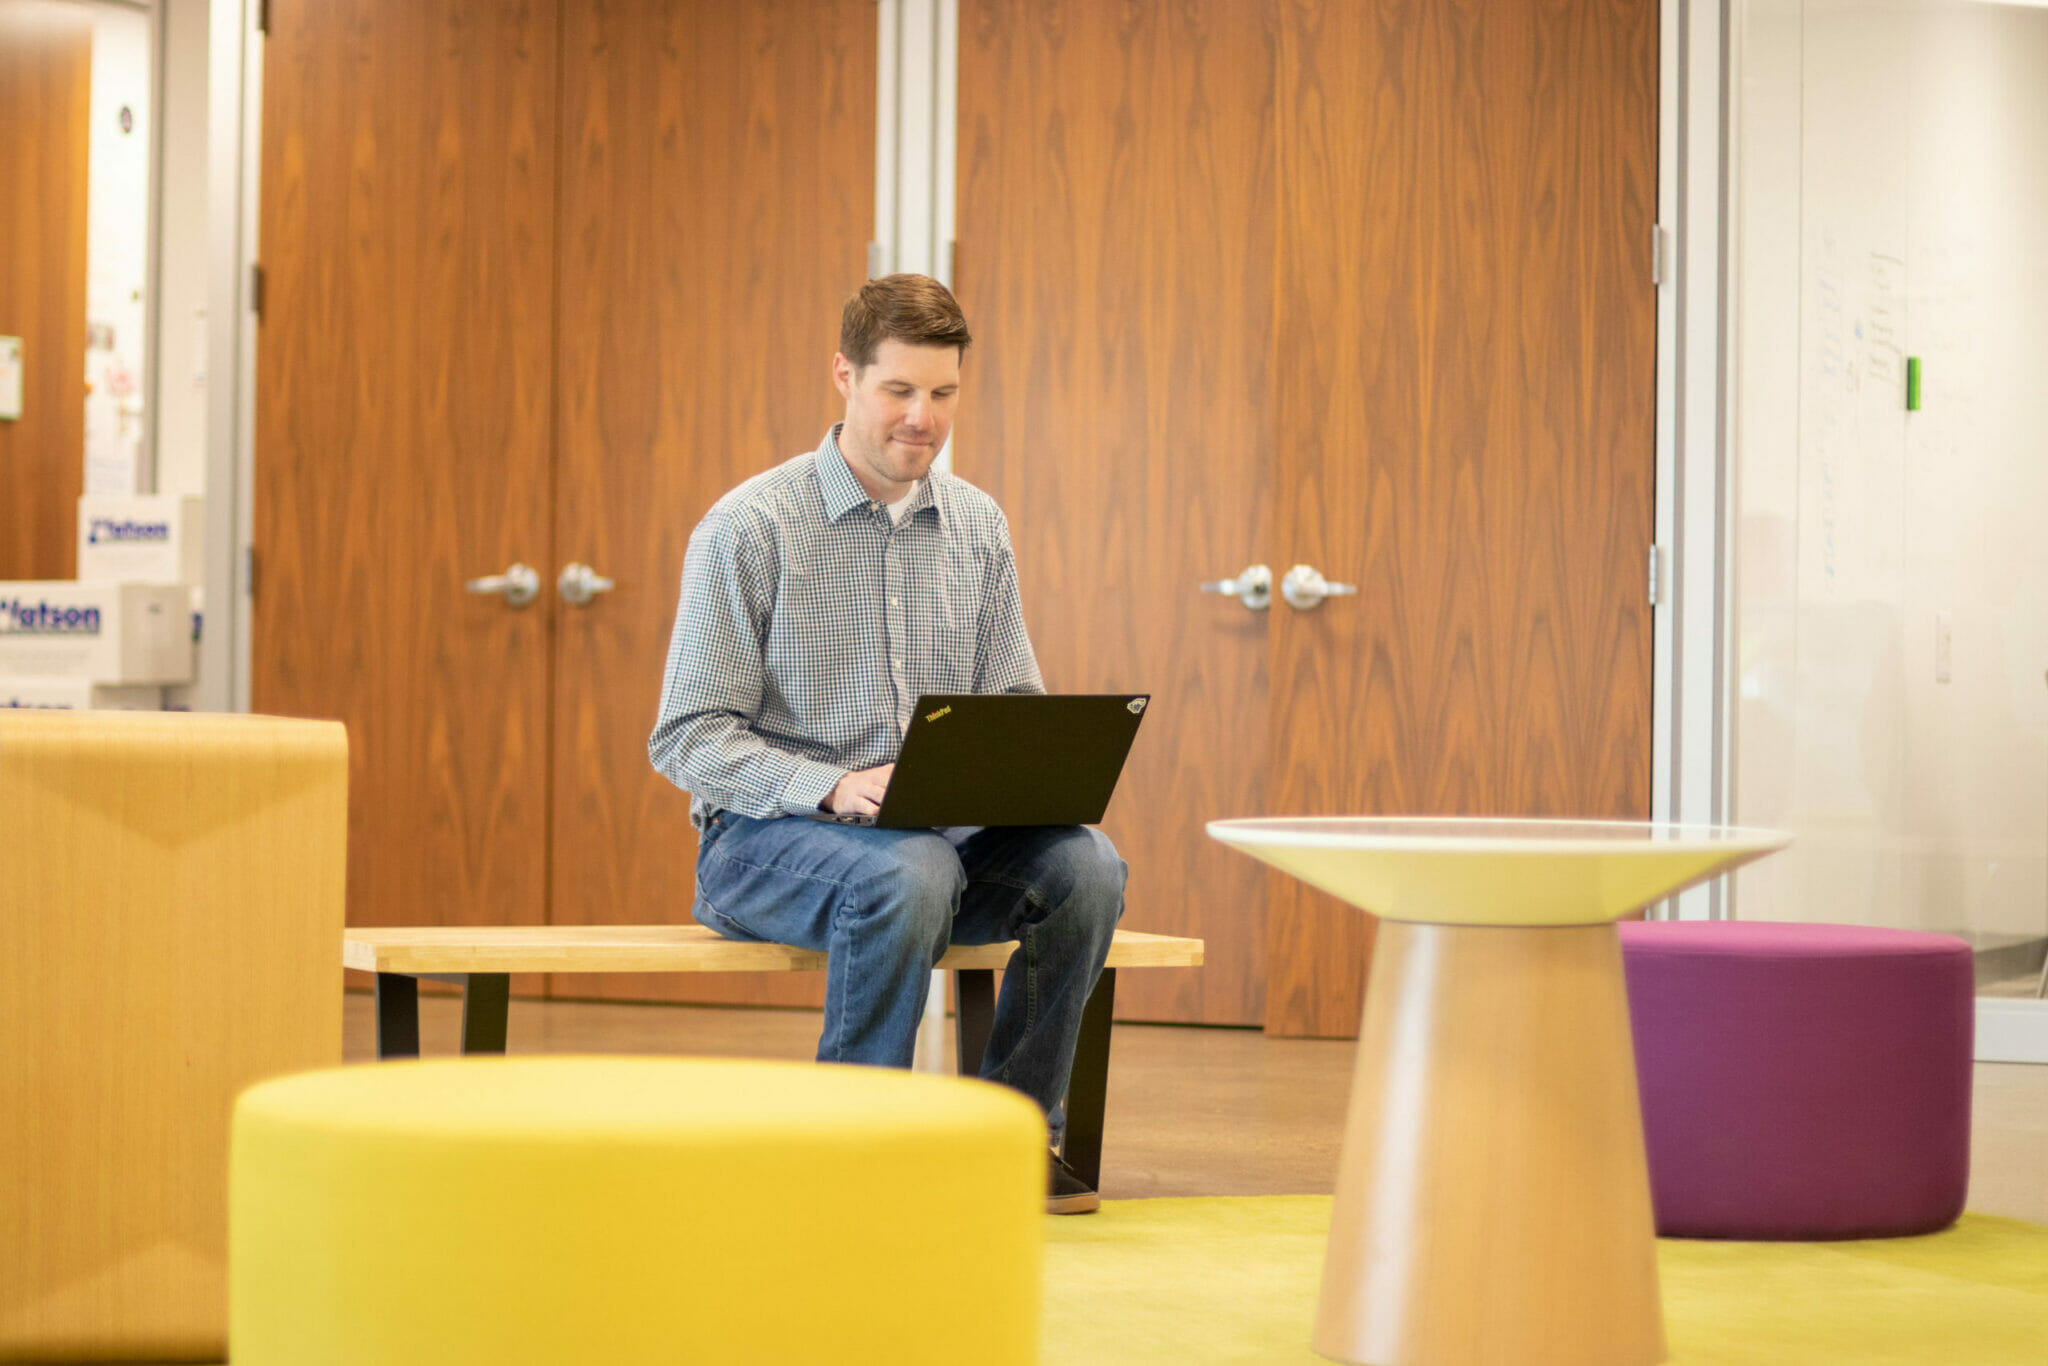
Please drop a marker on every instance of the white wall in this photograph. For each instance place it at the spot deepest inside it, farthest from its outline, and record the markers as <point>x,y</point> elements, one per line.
<point>182,260</point>
<point>124,74</point>
<point>117,250</point>
<point>1891,179</point>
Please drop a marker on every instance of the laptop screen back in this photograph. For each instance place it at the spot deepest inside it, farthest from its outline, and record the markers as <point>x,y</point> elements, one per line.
<point>1011,759</point>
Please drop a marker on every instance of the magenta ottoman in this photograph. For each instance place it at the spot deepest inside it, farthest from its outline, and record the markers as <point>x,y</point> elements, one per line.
<point>1801,1081</point>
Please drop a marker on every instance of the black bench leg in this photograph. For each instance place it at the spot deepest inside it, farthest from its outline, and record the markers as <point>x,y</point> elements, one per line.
<point>1088,1086</point>
<point>974,991</point>
<point>486,1001</point>
<point>398,1015</point>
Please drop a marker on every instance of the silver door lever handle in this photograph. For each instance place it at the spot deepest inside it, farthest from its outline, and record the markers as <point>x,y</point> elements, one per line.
<point>1253,587</point>
<point>580,583</point>
<point>1304,588</point>
<point>518,585</point>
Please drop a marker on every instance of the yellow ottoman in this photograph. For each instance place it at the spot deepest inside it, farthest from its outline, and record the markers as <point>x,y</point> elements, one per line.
<point>622,1210</point>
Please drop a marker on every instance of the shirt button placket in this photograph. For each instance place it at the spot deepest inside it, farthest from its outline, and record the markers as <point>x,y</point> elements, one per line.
<point>897,618</point>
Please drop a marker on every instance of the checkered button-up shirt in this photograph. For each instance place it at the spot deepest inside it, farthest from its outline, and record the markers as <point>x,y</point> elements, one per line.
<point>810,623</point>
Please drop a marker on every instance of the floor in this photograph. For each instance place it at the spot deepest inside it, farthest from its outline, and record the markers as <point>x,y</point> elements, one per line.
<point>1192,1111</point>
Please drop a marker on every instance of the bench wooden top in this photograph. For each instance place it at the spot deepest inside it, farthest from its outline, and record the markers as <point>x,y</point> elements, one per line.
<point>663,948</point>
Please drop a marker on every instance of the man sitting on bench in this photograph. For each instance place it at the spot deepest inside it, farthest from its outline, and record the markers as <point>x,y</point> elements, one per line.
<point>819,601</point>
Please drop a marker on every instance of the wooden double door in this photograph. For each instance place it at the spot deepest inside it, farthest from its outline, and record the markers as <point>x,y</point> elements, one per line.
<point>541,281</point>
<point>1357,286</point>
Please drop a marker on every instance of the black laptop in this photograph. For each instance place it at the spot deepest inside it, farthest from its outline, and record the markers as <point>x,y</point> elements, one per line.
<point>1008,759</point>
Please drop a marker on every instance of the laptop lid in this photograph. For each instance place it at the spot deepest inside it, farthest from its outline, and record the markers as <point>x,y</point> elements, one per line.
<point>1011,759</point>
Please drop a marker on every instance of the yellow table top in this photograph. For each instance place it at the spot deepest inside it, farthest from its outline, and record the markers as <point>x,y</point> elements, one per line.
<point>1473,871</point>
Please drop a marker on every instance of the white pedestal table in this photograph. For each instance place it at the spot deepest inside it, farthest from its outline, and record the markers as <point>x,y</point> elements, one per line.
<point>1493,1203</point>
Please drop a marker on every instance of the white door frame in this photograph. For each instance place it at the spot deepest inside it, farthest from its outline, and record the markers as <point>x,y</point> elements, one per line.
<point>234,159</point>
<point>917,79</point>
<point>1692,740</point>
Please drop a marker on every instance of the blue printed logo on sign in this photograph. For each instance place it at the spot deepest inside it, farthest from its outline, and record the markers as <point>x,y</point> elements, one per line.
<point>19,618</point>
<point>109,531</point>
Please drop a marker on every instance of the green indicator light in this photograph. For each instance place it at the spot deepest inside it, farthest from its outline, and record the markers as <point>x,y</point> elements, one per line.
<point>1912,384</point>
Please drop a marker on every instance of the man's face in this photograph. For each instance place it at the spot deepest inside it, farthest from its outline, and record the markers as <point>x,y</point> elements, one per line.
<point>899,409</point>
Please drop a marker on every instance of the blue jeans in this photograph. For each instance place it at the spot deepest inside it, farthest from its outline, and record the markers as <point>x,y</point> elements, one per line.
<point>883,905</point>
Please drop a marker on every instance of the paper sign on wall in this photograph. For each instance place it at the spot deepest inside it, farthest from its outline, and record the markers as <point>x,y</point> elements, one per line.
<point>10,379</point>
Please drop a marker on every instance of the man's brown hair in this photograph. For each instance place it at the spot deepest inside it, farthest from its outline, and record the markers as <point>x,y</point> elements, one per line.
<point>914,309</point>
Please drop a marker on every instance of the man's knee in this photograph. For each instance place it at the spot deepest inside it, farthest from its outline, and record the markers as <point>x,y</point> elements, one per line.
<point>914,885</point>
<point>1096,872</point>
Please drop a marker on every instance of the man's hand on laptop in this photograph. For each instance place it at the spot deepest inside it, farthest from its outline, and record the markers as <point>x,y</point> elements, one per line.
<point>859,794</point>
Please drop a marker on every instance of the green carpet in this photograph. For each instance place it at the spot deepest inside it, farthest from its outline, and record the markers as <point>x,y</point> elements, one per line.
<point>1234,1280</point>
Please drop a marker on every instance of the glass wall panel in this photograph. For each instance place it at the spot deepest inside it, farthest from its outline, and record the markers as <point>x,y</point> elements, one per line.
<point>1890,306</point>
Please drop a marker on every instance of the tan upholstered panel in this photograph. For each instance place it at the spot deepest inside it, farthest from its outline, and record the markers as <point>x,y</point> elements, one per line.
<point>170,897</point>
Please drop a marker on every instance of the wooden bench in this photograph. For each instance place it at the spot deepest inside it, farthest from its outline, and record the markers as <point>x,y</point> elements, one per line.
<point>481,959</point>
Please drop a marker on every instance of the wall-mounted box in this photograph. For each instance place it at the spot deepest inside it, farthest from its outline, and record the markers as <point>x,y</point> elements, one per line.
<point>97,632</point>
<point>76,694</point>
<point>184,696</point>
<point>141,539</point>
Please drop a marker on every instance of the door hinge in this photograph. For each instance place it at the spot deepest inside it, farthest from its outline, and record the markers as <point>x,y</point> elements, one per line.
<point>1657,248</point>
<point>256,290</point>
<point>263,17</point>
<point>249,570</point>
<point>1656,575</point>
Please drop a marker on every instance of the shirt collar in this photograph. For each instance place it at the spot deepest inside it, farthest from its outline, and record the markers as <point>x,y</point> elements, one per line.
<point>843,493</point>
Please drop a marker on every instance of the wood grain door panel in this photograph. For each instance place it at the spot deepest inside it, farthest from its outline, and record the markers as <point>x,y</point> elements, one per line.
<point>1116,217</point>
<point>717,197</point>
<point>45,107</point>
<point>1465,376</point>
<point>404,427</point>
<point>1358,286</point>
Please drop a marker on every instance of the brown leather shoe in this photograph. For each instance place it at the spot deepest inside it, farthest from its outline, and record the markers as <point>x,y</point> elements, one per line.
<point>1066,1192</point>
